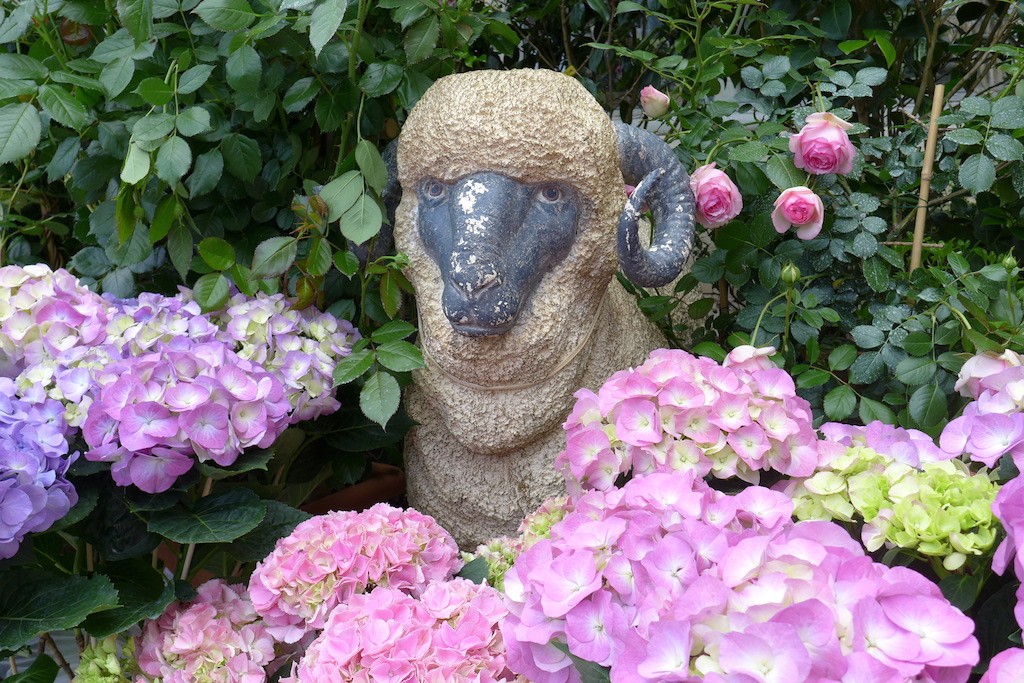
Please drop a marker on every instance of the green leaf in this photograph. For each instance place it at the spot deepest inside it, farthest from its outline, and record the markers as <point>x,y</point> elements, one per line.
<point>152,127</point>
<point>871,410</point>
<point>193,121</point>
<point>864,245</point>
<point>226,15</point>
<point>194,78</point>
<point>346,262</point>
<point>915,371</point>
<point>928,405</point>
<point>776,67</point>
<point>273,257</point>
<point>848,46</point>
<point>1004,147</point>
<point>813,377</point>
<point>330,110</point>
<point>964,136</point>
<point>840,402</point>
<point>842,357</point>
<point>63,106</point>
<point>116,75</point>
<point>218,518</point>
<point>280,521</point>
<point>876,272</point>
<point>251,459</point>
<point>163,218</point>
<point>179,248</point>
<point>244,69</point>
<point>977,174</point>
<point>362,221</point>
<point>783,173</point>
<point>392,331</point>
<point>976,106</point>
<point>872,76</point>
<point>341,193</point>
<point>867,368</point>
<point>137,17</point>
<point>381,78</point>
<point>218,253</point>
<point>589,671</point>
<point>206,173</point>
<point>324,23</point>
<point>868,336</point>
<point>35,601</point>
<point>400,356</point>
<point>136,165</point>
<point>371,164</point>
<point>241,156</point>
<point>14,88</point>
<point>751,151</point>
<point>390,293</point>
<point>300,94</point>
<point>835,19</point>
<point>20,129</point>
<point>379,397</point>
<point>142,593</point>
<point>173,160</point>
<point>211,291</point>
<point>475,570</point>
<point>918,343</point>
<point>961,590</point>
<point>18,66</point>
<point>352,366</point>
<point>154,91</point>
<point>421,39</point>
<point>318,259</point>
<point>43,670</point>
<point>1008,112</point>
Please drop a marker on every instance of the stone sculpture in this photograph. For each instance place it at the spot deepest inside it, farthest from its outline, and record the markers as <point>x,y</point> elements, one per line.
<point>512,196</point>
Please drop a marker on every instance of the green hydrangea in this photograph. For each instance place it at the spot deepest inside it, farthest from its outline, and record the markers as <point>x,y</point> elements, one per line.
<point>102,662</point>
<point>939,510</point>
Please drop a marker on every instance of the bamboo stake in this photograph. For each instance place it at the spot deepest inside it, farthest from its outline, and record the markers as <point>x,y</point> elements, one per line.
<point>926,176</point>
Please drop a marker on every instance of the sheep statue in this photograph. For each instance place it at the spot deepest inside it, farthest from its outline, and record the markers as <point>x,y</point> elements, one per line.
<point>512,188</point>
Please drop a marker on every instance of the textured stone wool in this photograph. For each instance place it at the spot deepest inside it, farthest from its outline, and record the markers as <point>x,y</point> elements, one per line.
<point>490,408</point>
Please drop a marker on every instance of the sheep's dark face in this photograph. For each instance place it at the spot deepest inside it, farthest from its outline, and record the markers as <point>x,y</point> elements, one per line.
<point>493,238</point>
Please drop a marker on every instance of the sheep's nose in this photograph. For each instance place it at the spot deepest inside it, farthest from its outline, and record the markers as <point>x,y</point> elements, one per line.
<point>472,278</point>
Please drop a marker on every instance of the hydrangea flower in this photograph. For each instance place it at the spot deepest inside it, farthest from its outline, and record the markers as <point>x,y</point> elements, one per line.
<point>328,559</point>
<point>101,662</point>
<point>666,578</point>
<point>34,460</point>
<point>155,410</point>
<point>218,637</point>
<point>447,635</point>
<point>1006,667</point>
<point>938,509</point>
<point>683,413</point>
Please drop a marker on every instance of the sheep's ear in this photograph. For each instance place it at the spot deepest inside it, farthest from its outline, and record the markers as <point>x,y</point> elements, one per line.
<point>662,184</point>
<point>391,195</point>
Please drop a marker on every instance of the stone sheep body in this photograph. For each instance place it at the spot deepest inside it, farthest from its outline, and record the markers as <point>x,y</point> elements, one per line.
<point>512,193</point>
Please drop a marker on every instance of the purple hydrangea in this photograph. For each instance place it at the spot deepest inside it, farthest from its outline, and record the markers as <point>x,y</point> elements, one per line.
<point>34,460</point>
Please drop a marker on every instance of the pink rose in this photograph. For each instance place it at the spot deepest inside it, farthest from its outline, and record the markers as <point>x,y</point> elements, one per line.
<point>822,145</point>
<point>718,198</point>
<point>799,207</point>
<point>653,101</point>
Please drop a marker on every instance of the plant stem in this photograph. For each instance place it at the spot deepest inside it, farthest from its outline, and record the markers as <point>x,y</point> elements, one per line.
<point>187,562</point>
<point>57,655</point>
<point>14,665</point>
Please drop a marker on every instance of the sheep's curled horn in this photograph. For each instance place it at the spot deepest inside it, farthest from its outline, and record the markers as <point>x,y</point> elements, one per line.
<point>661,183</point>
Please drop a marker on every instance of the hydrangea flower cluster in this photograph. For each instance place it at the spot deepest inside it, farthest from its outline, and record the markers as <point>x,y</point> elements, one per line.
<point>1006,667</point>
<point>450,633</point>
<point>1008,507</point>
<point>500,553</point>
<point>34,460</point>
<point>155,410</point>
<point>993,424</point>
<point>328,559</point>
<point>938,509</point>
<point>667,579</point>
<point>102,662</point>
<point>218,638</point>
<point>300,347</point>
<point>684,413</point>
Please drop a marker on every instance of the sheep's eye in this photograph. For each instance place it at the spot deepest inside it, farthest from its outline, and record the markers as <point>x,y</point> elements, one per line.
<point>434,189</point>
<point>550,194</point>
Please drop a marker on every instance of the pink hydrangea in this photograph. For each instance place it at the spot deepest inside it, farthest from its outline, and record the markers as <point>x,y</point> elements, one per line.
<point>218,638</point>
<point>1006,667</point>
<point>328,559</point>
<point>447,635</point>
<point>666,578</point>
<point>683,413</point>
<point>908,446</point>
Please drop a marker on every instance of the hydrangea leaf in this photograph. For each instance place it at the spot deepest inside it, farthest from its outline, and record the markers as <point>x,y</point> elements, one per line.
<point>219,518</point>
<point>281,519</point>
<point>142,594</point>
<point>34,602</point>
<point>43,670</point>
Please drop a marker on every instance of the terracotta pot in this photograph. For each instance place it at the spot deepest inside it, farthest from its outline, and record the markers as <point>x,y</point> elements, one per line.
<point>386,482</point>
